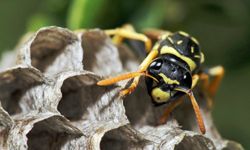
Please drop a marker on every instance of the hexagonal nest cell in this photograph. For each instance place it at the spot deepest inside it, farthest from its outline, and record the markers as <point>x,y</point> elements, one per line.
<point>50,100</point>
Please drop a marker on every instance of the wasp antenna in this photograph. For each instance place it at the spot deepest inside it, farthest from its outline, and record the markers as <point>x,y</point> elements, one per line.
<point>118,78</point>
<point>148,75</point>
<point>195,107</point>
<point>197,113</point>
<point>123,77</point>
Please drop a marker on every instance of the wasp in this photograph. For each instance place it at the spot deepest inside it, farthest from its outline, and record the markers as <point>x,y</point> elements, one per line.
<point>172,68</point>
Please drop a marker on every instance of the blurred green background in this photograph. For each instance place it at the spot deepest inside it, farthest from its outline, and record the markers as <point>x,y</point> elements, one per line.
<point>222,27</point>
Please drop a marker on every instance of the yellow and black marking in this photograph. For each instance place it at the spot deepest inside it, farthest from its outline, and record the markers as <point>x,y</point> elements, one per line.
<point>179,57</point>
<point>171,69</point>
<point>183,46</point>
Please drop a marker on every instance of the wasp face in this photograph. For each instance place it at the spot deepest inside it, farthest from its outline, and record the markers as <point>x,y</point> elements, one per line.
<point>171,74</point>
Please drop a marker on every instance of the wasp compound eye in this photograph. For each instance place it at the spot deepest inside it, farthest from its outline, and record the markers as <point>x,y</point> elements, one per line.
<point>186,80</point>
<point>156,64</point>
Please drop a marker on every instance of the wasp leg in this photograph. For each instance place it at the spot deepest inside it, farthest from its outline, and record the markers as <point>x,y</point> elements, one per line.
<point>118,39</point>
<point>205,84</point>
<point>169,109</point>
<point>136,75</point>
<point>128,32</point>
<point>211,87</point>
<point>218,73</point>
<point>143,67</point>
<point>131,88</point>
<point>155,34</point>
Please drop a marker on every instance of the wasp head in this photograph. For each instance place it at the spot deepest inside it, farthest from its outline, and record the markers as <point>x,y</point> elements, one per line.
<point>170,75</point>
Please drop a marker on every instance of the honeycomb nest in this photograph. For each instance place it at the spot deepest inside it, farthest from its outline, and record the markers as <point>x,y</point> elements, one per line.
<point>50,100</point>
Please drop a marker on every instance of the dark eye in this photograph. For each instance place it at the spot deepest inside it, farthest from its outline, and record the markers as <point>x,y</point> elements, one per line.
<point>156,65</point>
<point>187,78</point>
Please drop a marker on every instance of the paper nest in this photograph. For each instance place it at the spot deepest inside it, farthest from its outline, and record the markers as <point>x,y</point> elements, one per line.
<point>50,100</point>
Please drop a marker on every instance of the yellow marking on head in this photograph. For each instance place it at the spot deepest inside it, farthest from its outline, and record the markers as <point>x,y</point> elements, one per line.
<point>202,57</point>
<point>195,80</point>
<point>179,42</point>
<point>183,33</point>
<point>171,50</point>
<point>195,40</point>
<point>168,80</point>
<point>160,96</point>
<point>197,56</point>
<point>169,38</point>
<point>192,49</point>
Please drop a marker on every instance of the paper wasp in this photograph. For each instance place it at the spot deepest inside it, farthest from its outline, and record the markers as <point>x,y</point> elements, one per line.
<point>172,69</point>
